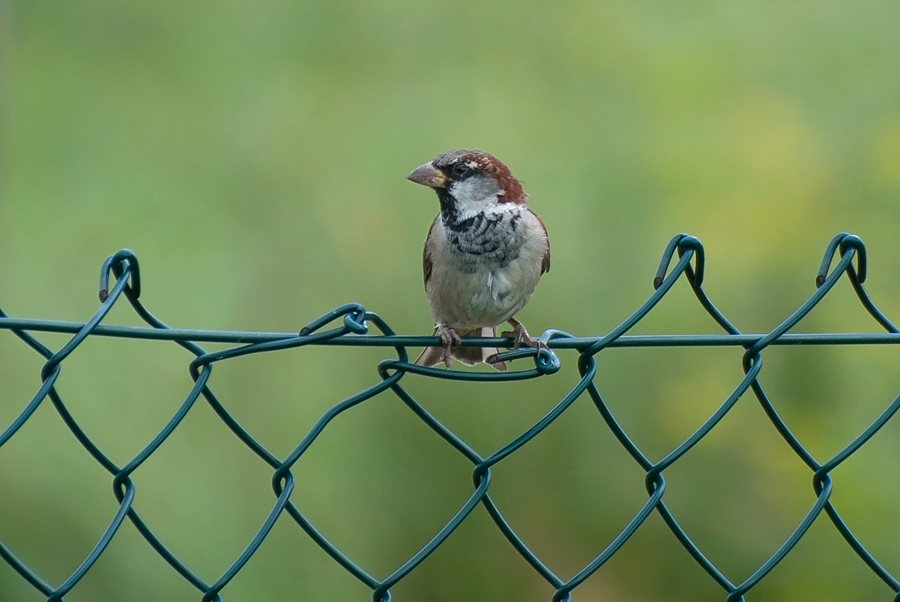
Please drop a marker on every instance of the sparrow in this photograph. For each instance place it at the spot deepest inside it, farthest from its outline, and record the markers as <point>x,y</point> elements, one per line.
<point>483,256</point>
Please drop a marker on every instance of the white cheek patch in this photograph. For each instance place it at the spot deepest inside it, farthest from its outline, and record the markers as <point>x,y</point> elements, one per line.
<point>474,195</point>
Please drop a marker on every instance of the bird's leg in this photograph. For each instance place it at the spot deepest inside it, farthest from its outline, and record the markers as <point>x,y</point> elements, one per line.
<point>520,335</point>
<point>449,338</point>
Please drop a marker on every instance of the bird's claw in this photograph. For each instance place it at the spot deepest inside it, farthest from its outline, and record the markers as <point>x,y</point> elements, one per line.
<point>449,339</point>
<point>521,337</point>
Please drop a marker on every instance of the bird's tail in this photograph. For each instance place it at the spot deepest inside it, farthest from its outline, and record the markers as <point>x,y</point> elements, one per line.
<point>467,355</point>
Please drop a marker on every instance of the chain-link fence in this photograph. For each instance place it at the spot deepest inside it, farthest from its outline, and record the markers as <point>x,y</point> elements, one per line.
<point>351,324</point>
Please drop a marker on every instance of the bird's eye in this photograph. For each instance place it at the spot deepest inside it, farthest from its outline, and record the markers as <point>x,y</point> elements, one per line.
<point>461,169</point>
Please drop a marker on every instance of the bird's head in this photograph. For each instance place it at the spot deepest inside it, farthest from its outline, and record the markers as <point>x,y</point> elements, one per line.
<point>469,182</point>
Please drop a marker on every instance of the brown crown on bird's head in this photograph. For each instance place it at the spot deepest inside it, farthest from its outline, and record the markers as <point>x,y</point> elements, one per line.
<point>454,167</point>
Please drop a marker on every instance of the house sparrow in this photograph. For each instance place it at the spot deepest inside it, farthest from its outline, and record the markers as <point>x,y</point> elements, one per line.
<point>483,256</point>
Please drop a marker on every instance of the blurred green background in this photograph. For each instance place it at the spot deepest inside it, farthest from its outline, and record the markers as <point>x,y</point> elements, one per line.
<point>253,155</point>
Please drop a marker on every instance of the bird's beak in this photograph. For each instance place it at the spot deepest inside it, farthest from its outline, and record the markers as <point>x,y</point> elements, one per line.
<point>428,175</point>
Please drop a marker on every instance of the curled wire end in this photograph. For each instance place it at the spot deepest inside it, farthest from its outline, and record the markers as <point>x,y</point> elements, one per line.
<point>546,362</point>
<point>666,259</point>
<point>856,242</point>
<point>682,243</point>
<point>843,241</point>
<point>118,263</point>
<point>354,316</point>
<point>826,260</point>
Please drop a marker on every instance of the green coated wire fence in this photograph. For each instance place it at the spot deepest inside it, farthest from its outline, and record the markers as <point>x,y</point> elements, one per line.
<point>352,325</point>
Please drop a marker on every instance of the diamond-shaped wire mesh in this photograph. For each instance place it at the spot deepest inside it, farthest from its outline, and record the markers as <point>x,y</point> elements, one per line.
<point>350,325</point>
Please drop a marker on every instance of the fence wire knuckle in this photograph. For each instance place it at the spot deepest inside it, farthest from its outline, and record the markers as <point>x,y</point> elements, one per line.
<point>352,324</point>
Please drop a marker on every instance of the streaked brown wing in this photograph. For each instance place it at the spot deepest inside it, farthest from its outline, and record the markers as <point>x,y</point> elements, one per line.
<point>426,255</point>
<point>545,262</point>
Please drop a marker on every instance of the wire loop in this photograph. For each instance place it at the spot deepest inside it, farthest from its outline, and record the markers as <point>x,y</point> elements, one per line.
<point>120,262</point>
<point>682,243</point>
<point>844,242</point>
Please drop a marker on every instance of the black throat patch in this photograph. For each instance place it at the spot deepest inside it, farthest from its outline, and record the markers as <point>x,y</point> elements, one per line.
<point>449,206</point>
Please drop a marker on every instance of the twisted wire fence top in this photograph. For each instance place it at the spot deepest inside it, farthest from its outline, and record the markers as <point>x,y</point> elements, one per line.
<point>353,325</point>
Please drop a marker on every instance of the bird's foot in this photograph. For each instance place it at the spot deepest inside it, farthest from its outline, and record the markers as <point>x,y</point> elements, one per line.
<point>521,337</point>
<point>449,339</point>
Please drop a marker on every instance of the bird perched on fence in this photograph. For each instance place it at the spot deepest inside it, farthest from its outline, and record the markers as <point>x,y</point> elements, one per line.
<point>483,256</point>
